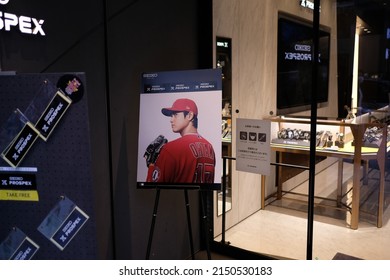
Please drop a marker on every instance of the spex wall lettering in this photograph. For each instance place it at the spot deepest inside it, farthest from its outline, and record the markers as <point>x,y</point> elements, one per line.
<point>24,24</point>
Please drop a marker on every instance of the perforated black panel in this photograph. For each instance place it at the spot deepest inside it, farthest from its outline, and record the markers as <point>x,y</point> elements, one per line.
<point>64,169</point>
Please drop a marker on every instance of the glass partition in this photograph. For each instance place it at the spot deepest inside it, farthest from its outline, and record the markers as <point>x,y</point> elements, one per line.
<point>289,214</point>
<point>224,61</point>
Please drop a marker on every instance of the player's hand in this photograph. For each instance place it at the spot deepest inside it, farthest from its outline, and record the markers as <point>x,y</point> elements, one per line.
<point>153,150</point>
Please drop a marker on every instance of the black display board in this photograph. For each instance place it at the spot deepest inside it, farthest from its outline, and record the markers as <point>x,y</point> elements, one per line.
<point>62,163</point>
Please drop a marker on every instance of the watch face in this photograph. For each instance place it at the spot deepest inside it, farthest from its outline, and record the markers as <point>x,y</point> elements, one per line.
<point>283,134</point>
<point>72,87</point>
<point>295,134</point>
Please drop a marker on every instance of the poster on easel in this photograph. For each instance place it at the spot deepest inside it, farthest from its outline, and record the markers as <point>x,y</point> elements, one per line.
<point>179,129</point>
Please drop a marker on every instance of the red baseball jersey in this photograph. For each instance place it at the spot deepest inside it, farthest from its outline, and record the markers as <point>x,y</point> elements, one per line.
<point>188,159</point>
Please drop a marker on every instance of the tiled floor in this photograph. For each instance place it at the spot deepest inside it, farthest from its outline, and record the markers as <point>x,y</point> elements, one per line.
<point>281,228</point>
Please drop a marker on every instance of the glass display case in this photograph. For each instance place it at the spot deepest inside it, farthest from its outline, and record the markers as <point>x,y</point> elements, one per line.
<point>355,141</point>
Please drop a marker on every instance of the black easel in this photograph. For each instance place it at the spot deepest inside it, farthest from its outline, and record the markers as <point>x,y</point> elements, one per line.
<point>187,204</point>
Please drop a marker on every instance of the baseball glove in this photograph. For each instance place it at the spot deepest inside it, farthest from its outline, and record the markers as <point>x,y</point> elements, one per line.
<point>154,149</point>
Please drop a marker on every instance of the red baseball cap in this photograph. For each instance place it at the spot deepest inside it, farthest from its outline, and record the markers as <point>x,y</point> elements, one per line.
<point>181,105</point>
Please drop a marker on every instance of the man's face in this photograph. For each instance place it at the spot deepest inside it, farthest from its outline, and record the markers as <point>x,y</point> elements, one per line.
<point>179,122</point>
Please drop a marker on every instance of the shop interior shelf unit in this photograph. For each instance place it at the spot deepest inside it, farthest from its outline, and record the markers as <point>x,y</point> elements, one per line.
<point>358,140</point>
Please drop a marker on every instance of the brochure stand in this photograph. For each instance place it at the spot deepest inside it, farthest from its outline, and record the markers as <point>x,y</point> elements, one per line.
<point>187,204</point>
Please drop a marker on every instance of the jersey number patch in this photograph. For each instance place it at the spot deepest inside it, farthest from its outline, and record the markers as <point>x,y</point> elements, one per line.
<point>204,173</point>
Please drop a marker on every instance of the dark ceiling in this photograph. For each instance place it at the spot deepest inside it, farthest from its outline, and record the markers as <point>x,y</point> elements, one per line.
<point>375,13</point>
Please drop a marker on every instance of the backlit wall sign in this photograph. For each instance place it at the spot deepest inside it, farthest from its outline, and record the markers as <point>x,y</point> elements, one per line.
<point>299,53</point>
<point>27,25</point>
<point>223,44</point>
<point>307,4</point>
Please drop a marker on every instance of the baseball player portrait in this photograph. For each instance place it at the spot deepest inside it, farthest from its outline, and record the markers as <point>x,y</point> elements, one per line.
<point>188,159</point>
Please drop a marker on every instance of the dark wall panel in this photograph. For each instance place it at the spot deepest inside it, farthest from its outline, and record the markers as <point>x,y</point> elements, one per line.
<point>63,165</point>
<point>148,35</point>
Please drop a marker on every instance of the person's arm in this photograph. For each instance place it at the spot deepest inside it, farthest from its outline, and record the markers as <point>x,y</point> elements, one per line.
<point>163,169</point>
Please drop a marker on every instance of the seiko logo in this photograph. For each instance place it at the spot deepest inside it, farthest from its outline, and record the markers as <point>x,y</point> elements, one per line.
<point>150,75</point>
<point>305,48</point>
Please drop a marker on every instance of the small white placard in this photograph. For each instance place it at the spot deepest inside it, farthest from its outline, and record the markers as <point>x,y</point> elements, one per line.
<point>253,146</point>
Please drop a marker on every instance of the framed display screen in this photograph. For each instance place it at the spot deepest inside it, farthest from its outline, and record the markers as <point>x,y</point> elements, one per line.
<point>180,130</point>
<point>295,67</point>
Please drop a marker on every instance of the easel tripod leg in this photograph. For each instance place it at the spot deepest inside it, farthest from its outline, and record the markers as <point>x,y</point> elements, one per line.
<point>153,223</point>
<point>189,223</point>
<point>205,225</point>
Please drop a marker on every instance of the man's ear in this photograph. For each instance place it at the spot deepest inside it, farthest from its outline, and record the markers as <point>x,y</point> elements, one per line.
<point>190,115</point>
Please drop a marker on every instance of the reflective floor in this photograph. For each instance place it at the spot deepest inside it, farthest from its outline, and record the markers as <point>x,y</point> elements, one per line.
<point>281,228</point>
